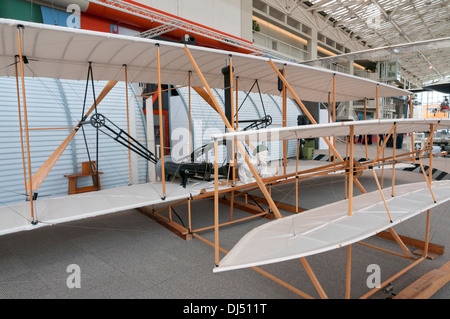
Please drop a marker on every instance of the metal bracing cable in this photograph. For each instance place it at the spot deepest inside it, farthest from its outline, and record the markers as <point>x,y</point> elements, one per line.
<point>83,117</point>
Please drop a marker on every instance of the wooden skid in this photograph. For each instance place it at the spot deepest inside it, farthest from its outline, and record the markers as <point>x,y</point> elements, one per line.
<point>427,285</point>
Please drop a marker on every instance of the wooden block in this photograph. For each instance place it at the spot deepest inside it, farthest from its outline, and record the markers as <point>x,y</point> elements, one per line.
<point>173,227</point>
<point>427,285</point>
<point>445,267</point>
<point>430,255</point>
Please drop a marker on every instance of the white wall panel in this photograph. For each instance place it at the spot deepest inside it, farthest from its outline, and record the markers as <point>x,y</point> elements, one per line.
<point>222,15</point>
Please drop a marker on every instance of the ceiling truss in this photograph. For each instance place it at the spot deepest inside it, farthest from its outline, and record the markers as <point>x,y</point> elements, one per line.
<point>379,23</point>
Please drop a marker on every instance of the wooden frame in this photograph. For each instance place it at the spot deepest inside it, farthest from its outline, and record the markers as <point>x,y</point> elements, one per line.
<point>260,183</point>
<point>350,173</point>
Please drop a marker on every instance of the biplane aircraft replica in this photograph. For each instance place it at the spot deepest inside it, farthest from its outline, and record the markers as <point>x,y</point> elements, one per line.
<point>59,52</point>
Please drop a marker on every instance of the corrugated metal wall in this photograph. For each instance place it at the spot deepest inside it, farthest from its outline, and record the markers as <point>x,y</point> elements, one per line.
<point>58,103</point>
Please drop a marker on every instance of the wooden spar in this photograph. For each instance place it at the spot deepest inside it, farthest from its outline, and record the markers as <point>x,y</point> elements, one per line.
<point>377,114</point>
<point>365,118</point>
<point>329,121</point>
<point>350,186</point>
<point>384,144</point>
<point>205,95</point>
<point>430,165</point>
<point>296,176</point>
<point>213,102</point>
<point>313,121</point>
<point>430,139</point>
<point>375,175</point>
<point>348,272</point>
<point>128,120</point>
<point>43,171</point>
<point>313,278</point>
<point>237,105</point>
<point>426,179</point>
<point>216,202</point>
<point>334,111</point>
<point>236,125</point>
<point>50,128</point>
<point>412,133</point>
<point>230,128</point>
<point>21,129</point>
<point>382,195</point>
<point>233,160</point>
<point>400,242</point>
<point>27,135</point>
<point>161,133</point>
<point>189,215</point>
<point>230,61</point>
<point>284,122</point>
<point>347,169</point>
<point>394,146</point>
<point>427,235</point>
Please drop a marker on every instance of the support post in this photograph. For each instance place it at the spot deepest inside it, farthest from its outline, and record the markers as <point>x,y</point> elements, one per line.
<point>313,278</point>
<point>334,111</point>
<point>375,175</point>
<point>216,202</point>
<point>413,148</point>
<point>237,105</point>
<point>430,165</point>
<point>377,114</point>
<point>284,117</point>
<point>348,279</point>
<point>329,121</point>
<point>394,145</point>
<point>161,133</point>
<point>365,136</point>
<point>296,176</point>
<point>27,135</point>
<point>233,147</point>
<point>128,121</point>
<point>350,183</point>
<point>21,129</point>
<point>189,215</point>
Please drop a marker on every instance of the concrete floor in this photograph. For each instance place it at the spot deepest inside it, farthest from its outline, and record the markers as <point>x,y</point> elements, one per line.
<point>128,255</point>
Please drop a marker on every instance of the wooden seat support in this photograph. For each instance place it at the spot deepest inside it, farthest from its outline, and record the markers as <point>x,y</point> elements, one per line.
<point>87,170</point>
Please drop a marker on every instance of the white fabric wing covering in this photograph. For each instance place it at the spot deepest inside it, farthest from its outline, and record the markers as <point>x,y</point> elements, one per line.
<point>61,52</point>
<point>330,227</point>
<point>374,127</point>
